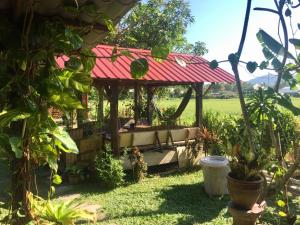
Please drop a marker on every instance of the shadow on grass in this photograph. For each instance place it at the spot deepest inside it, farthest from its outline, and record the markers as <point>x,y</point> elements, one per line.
<point>193,201</point>
<point>189,200</point>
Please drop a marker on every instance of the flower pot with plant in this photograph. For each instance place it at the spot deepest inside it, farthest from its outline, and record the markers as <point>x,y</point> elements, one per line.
<point>75,174</point>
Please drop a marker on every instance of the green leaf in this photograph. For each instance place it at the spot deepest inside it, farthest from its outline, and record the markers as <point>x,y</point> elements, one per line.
<point>276,64</point>
<point>88,59</point>
<point>266,40</point>
<point>295,42</point>
<point>233,58</point>
<point>6,117</point>
<point>160,53</point>
<point>288,12</point>
<point>52,161</point>
<point>251,66</point>
<point>64,100</point>
<point>74,39</point>
<point>214,64</point>
<point>114,55</point>
<point>139,68</point>
<point>110,25</point>
<point>60,134</point>
<point>280,203</point>
<point>73,63</point>
<point>81,82</point>
<point>298,77</point>
<point>286,102</point>
<point>267,53</point>
<point>16,146</point>
<point>263,65</point>
<point>126,53</point>
<point>56,179</point>
<point>282,214</point>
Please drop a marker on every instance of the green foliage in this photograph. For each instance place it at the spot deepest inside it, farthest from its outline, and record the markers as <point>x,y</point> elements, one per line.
<point>167,113</point>
<point>108,169</point>
<point>157,23</point>
<point>269,42</point>
<point>214,64</point>
<point>198,48</point>
<point>263,108</point>
<point>31,83</point>
<point>58,211</point>
<point>73,170</point>
<point>160,53</point>
<point>139,68</point>
<point>251,66</point>
<point>139,166</point>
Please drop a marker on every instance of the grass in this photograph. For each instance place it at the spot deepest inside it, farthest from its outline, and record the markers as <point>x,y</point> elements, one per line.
<point>174,199</point>
<point>222,106</point>
<point>177,199</point>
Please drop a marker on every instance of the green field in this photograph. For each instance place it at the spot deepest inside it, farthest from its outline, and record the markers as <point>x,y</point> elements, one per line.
<point>222,106</point>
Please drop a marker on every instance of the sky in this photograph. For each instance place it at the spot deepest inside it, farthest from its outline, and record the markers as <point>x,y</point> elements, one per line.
<point>219,24</point>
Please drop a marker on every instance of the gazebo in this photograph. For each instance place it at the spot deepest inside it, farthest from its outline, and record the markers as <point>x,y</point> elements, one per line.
<point>110,76</point>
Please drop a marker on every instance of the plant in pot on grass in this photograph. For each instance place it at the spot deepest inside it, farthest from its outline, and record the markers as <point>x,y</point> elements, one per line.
<point>287,67</point>
<point>245,182</point>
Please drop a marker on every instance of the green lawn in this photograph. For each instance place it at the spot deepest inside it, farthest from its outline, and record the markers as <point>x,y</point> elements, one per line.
<point>223,106</point>
<point>177,199</point>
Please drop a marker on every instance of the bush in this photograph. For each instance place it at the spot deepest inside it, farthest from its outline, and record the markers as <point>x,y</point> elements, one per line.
<point>108,169</point>
<point>167,113</point>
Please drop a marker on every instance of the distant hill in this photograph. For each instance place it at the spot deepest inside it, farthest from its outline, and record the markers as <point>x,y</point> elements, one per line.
<point>268,80</point>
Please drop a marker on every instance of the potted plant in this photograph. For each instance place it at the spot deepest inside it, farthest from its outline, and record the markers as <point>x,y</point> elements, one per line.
<point>245,182</point>
<point>75,174</point>
<point>209,139</point>
<point>245,157</point>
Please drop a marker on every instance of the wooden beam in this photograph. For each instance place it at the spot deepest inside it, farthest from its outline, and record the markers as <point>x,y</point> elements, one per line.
<point>199,104</point>
<point>100,113</point>
<point>150,93</point>
<point>137,102</point>
<point>114,119</point>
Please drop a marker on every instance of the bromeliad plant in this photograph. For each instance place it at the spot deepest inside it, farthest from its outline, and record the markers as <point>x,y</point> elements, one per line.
<point>209,139</point>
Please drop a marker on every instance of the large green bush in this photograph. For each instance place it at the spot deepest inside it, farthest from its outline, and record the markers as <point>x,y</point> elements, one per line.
<point>108,169</point>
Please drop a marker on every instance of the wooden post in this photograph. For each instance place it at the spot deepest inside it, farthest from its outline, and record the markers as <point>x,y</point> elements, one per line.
<point>137,102</point>
<point>199,104</point>
<point>114,119</point>
<point>150,94</point>
<point>100,113</point>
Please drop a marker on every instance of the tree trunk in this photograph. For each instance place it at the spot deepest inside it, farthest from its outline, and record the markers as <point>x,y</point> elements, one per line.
<point>20,178</point>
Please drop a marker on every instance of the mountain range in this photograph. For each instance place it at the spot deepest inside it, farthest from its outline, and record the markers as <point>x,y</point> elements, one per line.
<point>268,80</point>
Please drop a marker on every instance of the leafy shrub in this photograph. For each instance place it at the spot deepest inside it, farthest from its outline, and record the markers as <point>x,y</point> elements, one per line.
<point>139,166</point>
<point>57,212</point>
<point>108,169</point>
<point>167,113</point>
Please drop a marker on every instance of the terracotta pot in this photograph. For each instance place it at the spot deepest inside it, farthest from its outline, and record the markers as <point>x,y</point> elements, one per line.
<point>246,217</point>
<point>74,179</point>
<point>244,194</point>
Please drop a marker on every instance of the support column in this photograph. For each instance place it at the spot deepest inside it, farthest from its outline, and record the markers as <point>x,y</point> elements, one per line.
<point>114,119</point>
<point>199,104</point>
<point>150,94</point>
<point>100,113</point>
<point>137,102</point>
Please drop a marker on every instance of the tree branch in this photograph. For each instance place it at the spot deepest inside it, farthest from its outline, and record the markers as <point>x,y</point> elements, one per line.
<point>234,65</point>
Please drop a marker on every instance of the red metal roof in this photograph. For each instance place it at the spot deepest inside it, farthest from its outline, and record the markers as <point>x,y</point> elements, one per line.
<point>168,71</point>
